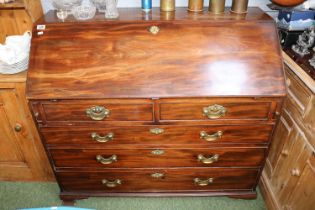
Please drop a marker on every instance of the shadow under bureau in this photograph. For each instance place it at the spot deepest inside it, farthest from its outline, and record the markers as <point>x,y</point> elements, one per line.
<point>174,105</point>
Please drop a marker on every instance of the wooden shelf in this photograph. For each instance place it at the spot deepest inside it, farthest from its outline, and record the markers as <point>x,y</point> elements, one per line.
<point>17,4</point>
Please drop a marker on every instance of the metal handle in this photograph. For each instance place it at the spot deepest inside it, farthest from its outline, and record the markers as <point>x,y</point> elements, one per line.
<point>156,131</point>
<point>97,113</point>
<point>111,184</point>
<point>208,160</point>
<point>214,111</point>
<point>203,183</point>
<point>18,127</point>
<point>295,172</point>
<point>106,161</point>
<point>102,139</point>
<point>158,175</point>
<point>211,137</point>
<point>157,152</point>
<point>154,30</point>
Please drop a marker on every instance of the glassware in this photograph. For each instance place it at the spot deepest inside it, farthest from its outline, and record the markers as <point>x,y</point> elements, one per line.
<point>111,11</point>
<point>84,12</point>
<point>100,5</point>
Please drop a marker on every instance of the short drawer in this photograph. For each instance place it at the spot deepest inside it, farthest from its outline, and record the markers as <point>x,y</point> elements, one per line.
<point>298,93</point>
<point>159,180</point>
<point>97,110</point>
<point>148,135</point>
<point>158,157</point>
<point>215,109</point>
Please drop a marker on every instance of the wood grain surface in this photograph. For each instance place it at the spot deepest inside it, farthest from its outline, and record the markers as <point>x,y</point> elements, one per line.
<point>187,58</point>
<point>173,180</point>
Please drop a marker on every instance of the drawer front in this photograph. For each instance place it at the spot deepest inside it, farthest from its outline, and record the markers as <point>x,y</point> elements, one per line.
<point>215,109</point>
<point>200,135</point>
<point>99,110</point>
<point>159,180</point>
<point>298,94</point>
<point>144,158</point>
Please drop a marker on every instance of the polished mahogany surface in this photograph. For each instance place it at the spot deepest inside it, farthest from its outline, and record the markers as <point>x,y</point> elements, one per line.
<point>164,104</point>
<point>192,55</point>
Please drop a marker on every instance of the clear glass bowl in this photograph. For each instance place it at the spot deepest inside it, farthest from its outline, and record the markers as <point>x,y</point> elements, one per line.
<point>84,12</point>
<point>66,4</point>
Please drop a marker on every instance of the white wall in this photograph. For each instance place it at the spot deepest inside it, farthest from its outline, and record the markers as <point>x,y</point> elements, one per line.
<point>137,3</point>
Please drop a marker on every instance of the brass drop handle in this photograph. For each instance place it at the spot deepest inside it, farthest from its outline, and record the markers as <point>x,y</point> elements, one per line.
<point>158,175</point>
<point>204,182</point>
<point>214,111</point>
<point>211,137</point>
<point>295,172</point>
<point>102,139</point>
<point>106,161</point>
<point>18,127</point>
<point>154,30</point>
<point>97,113</point>
<point>111,184</point>
<point>156,131</point>
<point>208,160</point>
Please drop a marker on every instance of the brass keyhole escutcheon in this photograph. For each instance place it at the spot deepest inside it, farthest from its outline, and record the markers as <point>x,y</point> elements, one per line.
<point>156,131</point>
<point>158,152</point>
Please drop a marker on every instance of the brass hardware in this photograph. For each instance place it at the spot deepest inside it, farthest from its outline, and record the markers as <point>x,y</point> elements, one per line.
<point>214,111</point>
<point>106,161</point>
<point>18,127</point>
<point>154,30</point>
<point>102,139</point>
<point>195,5</point>
<point>156,131</point>
<point>295,172</point>
<point>211,137</point>
<point>111,184</point>
<point>157,175</point>
<point>277,113</point>
<point>203,183</point>
<point>208,160</point>
<point>97,113</point>
<point>157,152</point>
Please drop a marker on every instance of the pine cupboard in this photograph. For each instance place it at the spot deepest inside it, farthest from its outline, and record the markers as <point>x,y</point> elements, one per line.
<point>287,180</point>
<point>22,156</point>
<point>18,17</point>
<point>162,105</point>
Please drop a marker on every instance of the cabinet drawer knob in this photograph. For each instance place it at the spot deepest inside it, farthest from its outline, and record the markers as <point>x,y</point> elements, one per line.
<point>106,161</point>
<point>154,30</point>
<point>102,139</point>
<point>158,175</point>
<point>18,127</point>
<point>156,131</point>
<point>214,111</point>
<point>208,160</point>
<point>295,172</point>
<point>97,113</point>
<point>111,184</point>
<point>211,137</point>
<point>203,183</point>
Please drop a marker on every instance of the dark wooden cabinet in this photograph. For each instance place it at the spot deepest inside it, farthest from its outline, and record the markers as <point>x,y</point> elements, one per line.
<point>158,107</point>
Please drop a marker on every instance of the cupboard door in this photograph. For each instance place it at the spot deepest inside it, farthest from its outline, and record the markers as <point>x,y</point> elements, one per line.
<point>283,132</point>
<point>304,191</point>
<point>21,158</point>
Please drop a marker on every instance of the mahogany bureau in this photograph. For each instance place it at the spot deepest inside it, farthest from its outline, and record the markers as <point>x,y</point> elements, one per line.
<point>159,104</point>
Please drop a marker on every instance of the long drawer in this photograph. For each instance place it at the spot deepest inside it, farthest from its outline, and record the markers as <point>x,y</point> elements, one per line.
<point>164,135</point>
<point>144,158</point>
<point>159,180</point>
